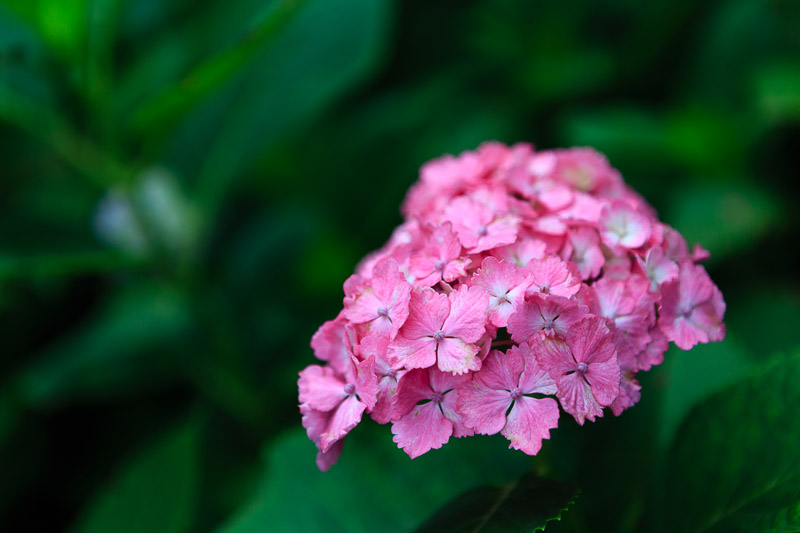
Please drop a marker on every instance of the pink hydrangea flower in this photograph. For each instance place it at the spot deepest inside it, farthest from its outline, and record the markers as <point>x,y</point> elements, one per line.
<point>547,253</point>
<point>382,302</point>
<point>478,227</point>
<point>691,308</point>
<point>425,412</point>
<point>628,305</point>
<point>332,403</point>
<point>440,259</point>
<point>499,399</point>
<point>506,285</point>
<point>583,249</point>
<point>622,226</point>
<point>584,367</point>
<point>544,316</point>
<point>442,328</point>
<point>553,276</point>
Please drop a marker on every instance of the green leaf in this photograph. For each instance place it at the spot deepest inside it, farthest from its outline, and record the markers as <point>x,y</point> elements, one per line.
<point>526,505</point>
<point>373,487</point>
<point>694,376</point>
<point>289,82</point>
<point>155,491</point>
<point>175,100</point>
<point>114,351</point>
<point>735,465</point>
<point>725,218</point>
<point>64,24</point>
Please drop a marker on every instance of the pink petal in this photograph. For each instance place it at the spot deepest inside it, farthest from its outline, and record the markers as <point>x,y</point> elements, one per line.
<point>577,399</point>
<point>521,252</point>
<point>604,379</point>
<point>412,353</point>
<point>629,394</point>
<point>591,341</point>
<point>442,382</point>
<point>530,421</point>
<point>468,314</point>
<point>500,232</point>
<point>450,410</point>
<point>543,315</point>
<point>332,343</point>
<point>585,252</point>
<point>366,383</point>
<point>484,409</point>
<point>457,356</point>
<point>428,310</point>
<point>345,418</point>
<point>413,388</point>
<point>327,459</point>
<point>422,429</point>
<point>315,422</point>
<point>552,276</point>
<point>321,388</point>
<point>534,379</point>
<point>621,225</point>
<point>555,356</point>
<point>506,285</point>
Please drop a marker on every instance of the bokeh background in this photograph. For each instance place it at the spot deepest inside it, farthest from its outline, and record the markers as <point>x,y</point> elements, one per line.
<point>186,185</point>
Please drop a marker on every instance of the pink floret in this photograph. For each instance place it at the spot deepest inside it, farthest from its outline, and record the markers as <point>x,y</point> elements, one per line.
<point>691,308</point>
<point>499,399</point>
<point>547,254</point>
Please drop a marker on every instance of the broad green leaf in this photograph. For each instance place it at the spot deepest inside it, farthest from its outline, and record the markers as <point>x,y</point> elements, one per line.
<point>776,91</point>
<point>724,218</point>
<point>154,491</point>
<point>373,487</point>
<point>523,506</point>
<point>291,80</point>
<point>116,349</point>
<point>694,375</point>
<point>735,464</point>
<point>164,108</point>
<point>63,23</point>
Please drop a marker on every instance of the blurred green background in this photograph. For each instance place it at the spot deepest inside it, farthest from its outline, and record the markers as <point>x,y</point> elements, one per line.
<point>186,185</point>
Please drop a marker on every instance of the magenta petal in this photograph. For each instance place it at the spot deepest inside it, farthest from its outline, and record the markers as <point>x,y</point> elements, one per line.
<point>321,388</point>
<point>366,382</point>
<point>412,353</point>
<point>315,422</point>
<point>468,314</point>
<point>428,310</point>
<point>604,378</point>
<point>453,414</point>
<point>534,379</point>
<point>484,409</point>
<point>577,399</point>
<point>501,371</point>
<point>346,417</point>
<point>629,394</point>
<point>327,459</point>
<point>422,429</point>
<point>331,343</point>
<point>414,387</point>
<point>530,421</point>
<point>457,356</point>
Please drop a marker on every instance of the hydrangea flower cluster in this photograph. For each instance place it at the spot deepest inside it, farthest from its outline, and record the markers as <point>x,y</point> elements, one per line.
<point>521,280</point>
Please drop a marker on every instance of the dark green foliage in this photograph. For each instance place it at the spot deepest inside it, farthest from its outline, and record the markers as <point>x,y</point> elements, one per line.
<point>375,486</point>
<point>735,463</point>
<point>149,364</point>
<point>523,506</point>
